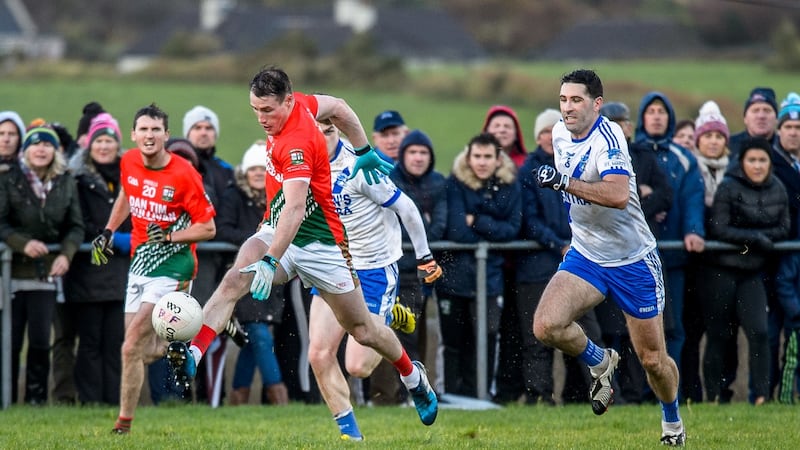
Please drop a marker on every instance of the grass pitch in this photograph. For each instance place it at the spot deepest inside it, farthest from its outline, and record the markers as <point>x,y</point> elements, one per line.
<point>311,427</point>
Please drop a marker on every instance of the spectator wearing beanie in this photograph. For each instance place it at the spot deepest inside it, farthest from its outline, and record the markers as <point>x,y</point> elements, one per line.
<point>94,295</point>
<point>543,128</point>
<point>12,131</point>
<point>711,137</point>
<point>201,127</point>
<point>760,120</point>
<point>786,156</point>
<point>40,206</point>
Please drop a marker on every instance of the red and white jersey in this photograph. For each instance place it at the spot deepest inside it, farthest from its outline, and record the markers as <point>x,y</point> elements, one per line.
<point>174,198</point>
<point>299,151</point>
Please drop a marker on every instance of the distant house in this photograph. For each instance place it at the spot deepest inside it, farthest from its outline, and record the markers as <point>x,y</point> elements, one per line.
<point>622,39</point>
<point>20,37</point>
<point>410,33</point>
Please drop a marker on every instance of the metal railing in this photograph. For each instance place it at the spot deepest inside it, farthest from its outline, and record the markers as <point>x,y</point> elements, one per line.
<point>481,250</point>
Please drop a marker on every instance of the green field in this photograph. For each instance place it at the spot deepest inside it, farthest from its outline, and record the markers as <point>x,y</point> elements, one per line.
<point>310,427</point>
<point>449,122</point>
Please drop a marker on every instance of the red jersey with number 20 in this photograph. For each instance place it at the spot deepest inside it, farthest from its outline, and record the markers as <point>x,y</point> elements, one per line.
<point>174,198</point>
<point>299,151</point>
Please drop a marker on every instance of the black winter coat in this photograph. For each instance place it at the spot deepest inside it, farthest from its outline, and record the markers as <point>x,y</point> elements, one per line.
<point>750,216</point>
<point>86,282</point>
<point>23,218</point>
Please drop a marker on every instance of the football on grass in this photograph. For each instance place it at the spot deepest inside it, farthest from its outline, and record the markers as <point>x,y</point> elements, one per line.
<point>177,316</point>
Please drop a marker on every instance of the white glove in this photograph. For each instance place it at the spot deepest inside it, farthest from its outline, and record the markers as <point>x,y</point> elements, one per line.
<point>263,272</point>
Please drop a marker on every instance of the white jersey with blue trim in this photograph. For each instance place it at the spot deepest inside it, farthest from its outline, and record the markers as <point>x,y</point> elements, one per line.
<point>373,230</point>
<point>607,236</point>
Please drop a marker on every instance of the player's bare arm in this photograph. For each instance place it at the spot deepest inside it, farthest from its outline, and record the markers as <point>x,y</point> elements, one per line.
<point>294,191</point>
<point>343,116</point>
<point>119,212</point>
<point>197,232</point>
<point>612,191</point>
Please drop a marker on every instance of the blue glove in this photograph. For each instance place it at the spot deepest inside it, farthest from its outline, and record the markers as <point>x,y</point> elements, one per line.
<point>122,242</point>
<point>263,273</point>
<point>371,164</point>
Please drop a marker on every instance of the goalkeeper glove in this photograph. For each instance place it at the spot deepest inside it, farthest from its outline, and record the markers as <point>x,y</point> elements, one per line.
<point>427,270</point>
<point>263,274</point>
<point>371,164</point>
<point>548,176</point>
<point>156,235</point>
<point>101,247</point>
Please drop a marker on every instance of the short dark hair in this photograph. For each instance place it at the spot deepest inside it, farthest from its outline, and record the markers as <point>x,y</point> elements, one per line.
<point>153,111</point>
<point>587,78</point>
<point>484,139</point>
<point>271,81</point>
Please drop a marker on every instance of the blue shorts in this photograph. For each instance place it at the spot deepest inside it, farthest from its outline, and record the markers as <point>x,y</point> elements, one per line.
<point>380,289</point>
<point>637,288</point>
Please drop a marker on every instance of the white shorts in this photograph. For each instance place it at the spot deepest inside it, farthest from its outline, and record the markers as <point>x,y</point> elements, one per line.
<point>142,289</point>
<point>318,265</point>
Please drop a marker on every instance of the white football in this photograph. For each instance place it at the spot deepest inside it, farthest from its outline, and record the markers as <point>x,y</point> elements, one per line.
<point>177,316</point>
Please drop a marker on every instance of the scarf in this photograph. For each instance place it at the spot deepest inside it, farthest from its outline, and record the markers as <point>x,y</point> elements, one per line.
<point>712,170</point>
<point>39,189</point>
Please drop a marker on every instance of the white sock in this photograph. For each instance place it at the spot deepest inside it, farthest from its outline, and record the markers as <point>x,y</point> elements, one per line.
<point>196,353</point>
<point>411,380</point>
<point>598,370</point>
<point>672,427</point>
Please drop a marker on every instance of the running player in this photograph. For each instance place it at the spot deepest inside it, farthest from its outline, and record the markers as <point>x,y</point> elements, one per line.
<point>612,252</point>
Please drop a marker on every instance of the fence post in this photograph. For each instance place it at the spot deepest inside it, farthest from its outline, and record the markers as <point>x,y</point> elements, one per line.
<point>481,253</point>
<point>5,336</point>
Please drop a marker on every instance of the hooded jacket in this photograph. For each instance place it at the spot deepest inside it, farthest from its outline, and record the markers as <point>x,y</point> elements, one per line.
<point>497,207</point>
<point>429,193</point>
<point>519,152</point>
<point>686,215</point>
<point>745,214</point>
<point>783,169</point>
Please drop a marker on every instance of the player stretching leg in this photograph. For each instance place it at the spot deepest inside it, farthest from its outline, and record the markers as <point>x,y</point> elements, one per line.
<point>302,234</point>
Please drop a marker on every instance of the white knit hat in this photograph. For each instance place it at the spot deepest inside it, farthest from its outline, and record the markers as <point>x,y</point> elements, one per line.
<point>199,114</point>
<point>545,119</point>
<point>710,119</point>
<point>255,156</point>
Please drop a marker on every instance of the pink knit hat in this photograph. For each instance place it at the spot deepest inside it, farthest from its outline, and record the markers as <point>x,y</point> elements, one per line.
<point>710,119</point>
<point>104,124</point>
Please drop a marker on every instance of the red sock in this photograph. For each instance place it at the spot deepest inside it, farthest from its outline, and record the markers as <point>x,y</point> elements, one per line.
<point>123,423</point>
<point>403,364</point>
<point>204,338</point>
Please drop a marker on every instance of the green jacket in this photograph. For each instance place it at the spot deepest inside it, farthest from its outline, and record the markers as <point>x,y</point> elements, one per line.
<point>23,218</point>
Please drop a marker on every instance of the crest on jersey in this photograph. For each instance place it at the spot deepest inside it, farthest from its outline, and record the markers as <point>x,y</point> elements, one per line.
<point>168,193</point>
<point>296,156</point>
<point>341,180</point>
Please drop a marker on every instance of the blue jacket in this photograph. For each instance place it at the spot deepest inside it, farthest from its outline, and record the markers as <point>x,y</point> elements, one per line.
<point>497,207</point>
<point>687,213</point>
<point>544,220</point>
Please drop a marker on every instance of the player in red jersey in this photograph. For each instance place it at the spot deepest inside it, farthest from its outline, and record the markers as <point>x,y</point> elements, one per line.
<point>170,213</point>
<point>302,235</point>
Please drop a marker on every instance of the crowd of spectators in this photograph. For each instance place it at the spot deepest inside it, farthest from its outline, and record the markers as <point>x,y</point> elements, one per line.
<point>696,180</point>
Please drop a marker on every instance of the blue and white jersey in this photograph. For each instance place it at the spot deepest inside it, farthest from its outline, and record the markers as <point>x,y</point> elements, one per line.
<point>373,230</point>
<point>607,236</point>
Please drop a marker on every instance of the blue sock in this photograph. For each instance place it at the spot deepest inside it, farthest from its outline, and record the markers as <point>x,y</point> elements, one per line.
<point>669,411</point>
<point>347,424</point>
<point>592,355</point>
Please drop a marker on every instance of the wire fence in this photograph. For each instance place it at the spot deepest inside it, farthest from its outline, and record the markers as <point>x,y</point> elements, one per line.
<point>481,250</point>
